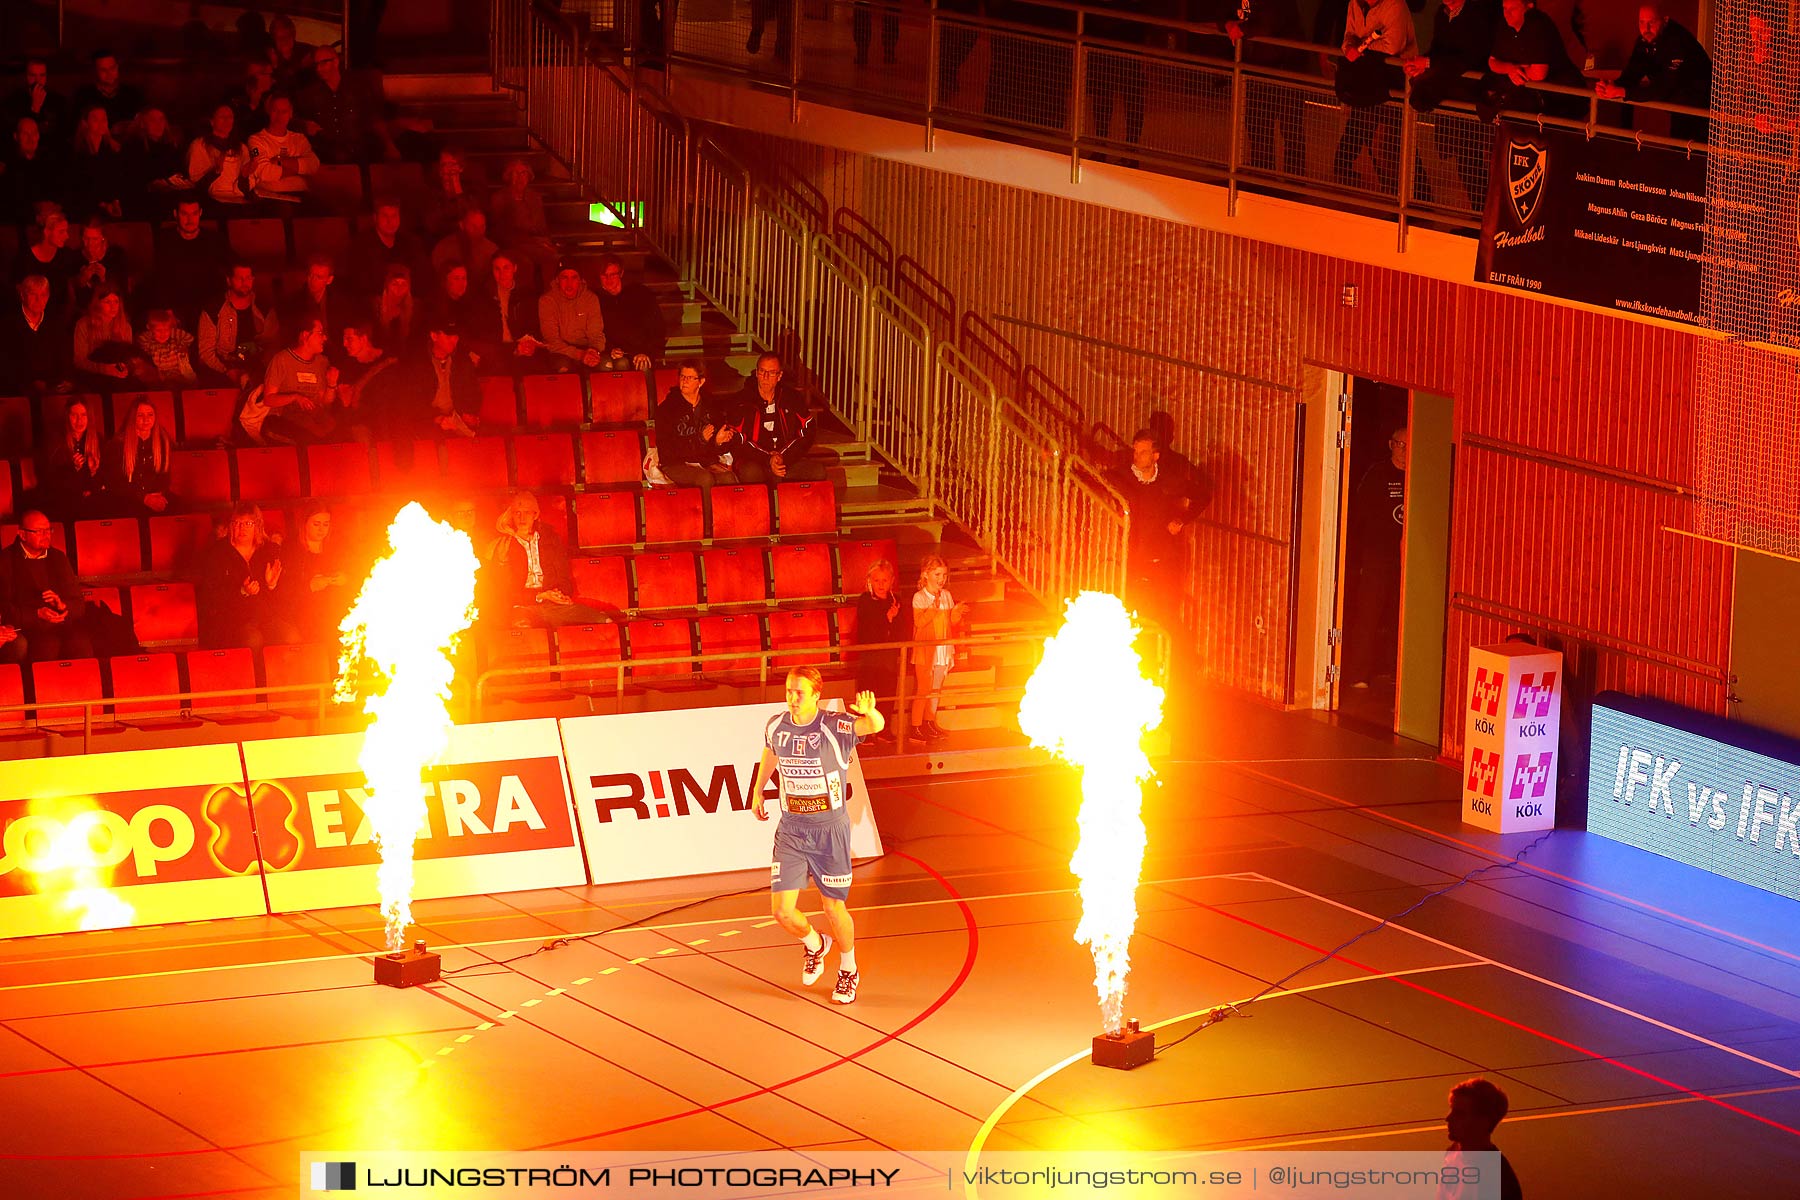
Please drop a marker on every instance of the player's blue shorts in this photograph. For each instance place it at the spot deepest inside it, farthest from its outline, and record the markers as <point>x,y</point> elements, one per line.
<point>820,849</point>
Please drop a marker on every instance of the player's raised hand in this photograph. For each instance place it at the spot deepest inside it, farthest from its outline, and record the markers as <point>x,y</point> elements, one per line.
<point>863,705</point>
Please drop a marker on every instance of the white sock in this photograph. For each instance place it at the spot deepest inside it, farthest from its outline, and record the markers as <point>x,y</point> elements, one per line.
<point>847,961</point>
<point>812,941</point>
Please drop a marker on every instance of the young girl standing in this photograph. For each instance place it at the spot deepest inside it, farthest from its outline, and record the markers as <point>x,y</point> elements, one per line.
<point>937,618</point>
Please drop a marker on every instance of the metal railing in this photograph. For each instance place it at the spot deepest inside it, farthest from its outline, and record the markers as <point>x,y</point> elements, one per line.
<point>250,702</point>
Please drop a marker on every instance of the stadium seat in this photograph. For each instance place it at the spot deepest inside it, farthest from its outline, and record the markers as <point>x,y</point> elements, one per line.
<point>275,520</point>
<point>403,180</point>
<point>673,514</point>
<point>806,508</point>
<point>137,239</point>
<point>654,638</point>
<point>259,241</point>
<point>742,633</point>
<point>601,583</point>
<point>269,474</point>
<point>846,625</point>
<point>106,595</point>
<point>620,397</point>
<point>338,187</point>
<point>663,380</point>
<point>544,460</point>
<point>7,492</point>
<point>610,457</point>
<point>475,464</point>
<point>15,424</point>
<point>200,477</point>
<point>499,404</point>
<point>552,401</point>
<point>516,647</point>
<point>336,469</point>
<point>163,613</point>
<point>408,467</point>
<point>225,671</point>
<point>206,414</point>
<point>805,632</point>
<point>666,580</point>
<point>12,695</point>
<point>606,519</point>
<point>596,644</point>
<point>176,542</point>
<point>735,577</point>
<point>740,512</point>
<point>137,675</point>
<point>322,235</point>
<point>108,548</point>
<point>289,670</point>
<point>122,403</point>
<point>801,571</point>
<point>553,513</point>
<point>74,679</point>
<point>856,557</point>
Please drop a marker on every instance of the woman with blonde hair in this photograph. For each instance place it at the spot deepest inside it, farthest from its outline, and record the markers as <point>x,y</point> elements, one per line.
<point>138,463</point>
<point>238,587</point>
<point>70,486</point>
<point>880,620</point>
<point>937,620</point>
<point>104,348</point>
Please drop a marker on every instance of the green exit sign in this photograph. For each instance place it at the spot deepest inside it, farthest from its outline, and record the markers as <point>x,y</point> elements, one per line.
<point>604,212</point>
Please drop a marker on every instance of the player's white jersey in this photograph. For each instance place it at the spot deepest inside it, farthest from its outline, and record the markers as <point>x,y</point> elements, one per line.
<point>813,760</point>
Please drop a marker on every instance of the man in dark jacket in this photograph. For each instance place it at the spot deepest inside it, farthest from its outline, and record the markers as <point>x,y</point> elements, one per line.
<point>634,320</point>
<point>43,594</point>
<point>439,392</point>
<point>1669,64</point>
<point>774,430</point>
<point>525,575</point>
<point>1160,505</point>
<point>189,259</point>
<point>504,325</point>
<point>689,438</point>
<point>34,341</point>
<point>1462,33</point>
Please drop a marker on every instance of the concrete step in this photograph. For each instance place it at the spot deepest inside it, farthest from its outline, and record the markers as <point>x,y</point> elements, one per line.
<point>438,86</point>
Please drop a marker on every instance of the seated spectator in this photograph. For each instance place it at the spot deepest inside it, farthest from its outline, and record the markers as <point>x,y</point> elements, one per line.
<point>35,341</point>
<point>634,320</point>
<point>238,587</point>
<point>167,350</point>
<point>137,464</point>
<point>526,579</point>
<point>290,59</point>
<point>250,99</point>
<point>280,158</point>
<point>154,162</point>
<point>517,221</point>
<point>1527,49</point>
<point>43,595</point>
<point>317,586</point>
<point>468,244</point>
<point>235,334</point>
<point>691,450</point>
<point>217,158</point>
<point>71,486</point>
<point>96,182</point>
<point>937,619</point>
<point>33,98</point>
<point>121,101</point>
<point>393,311</point>
<point>438,392</point>
<point>452,301</point>
<point>880,618</point>
<point>342,119</point>
<point>774,430</point>
<point>47,253</point>
<point>1375,32</point>
<point>369,386</point>
<point>385,245</point>
<point>105,350</point>
<point>319,297</point>
<point>1667,64</point>
<point>98,261</point>
<point>1462,31</point>
<point>452,192</point>
<point>30,174</point>
<point>569,317</point>
<point>189,260</point>
<point>299,398</point>
<point>504,327</point>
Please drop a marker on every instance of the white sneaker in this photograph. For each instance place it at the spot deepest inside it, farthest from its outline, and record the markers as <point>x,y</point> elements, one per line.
<point>814,963</point>
<point>845,991</point>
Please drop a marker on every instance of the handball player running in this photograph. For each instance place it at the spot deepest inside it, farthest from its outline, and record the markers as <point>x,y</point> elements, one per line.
<point>812,750</point>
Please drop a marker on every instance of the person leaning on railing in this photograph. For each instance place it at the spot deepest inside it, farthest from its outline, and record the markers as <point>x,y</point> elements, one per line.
<point>1462,35</point>
<point>1284,103</point>
<point>1377,33</point>
<point>1527,49</point>
<point>1667,64</point>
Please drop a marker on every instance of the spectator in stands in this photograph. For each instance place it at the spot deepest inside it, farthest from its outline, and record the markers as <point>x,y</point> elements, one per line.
<point>504,326</point>
<point>1120,77</point>
<point>71,486</point>
<point>34,342</point>
<point>235,334</point>
<point>343,121</point>
<point>956,43</point>
<point>30,174</point>
<point>1767,83</point>
<point>299,392</point>
<point>633,318</point>
<point>239,587</point>
<point>98,261</point>
<point>167,350</point>
<point>43,595</point>
<point>386,244</point>
<point>121,101</point>
<point>189,259</point>
<point>438,392</point>
<point>689,447</point>
<point>879,619</point>
<point>1375,32</point>
<point>453,302</point>
<point>467,243</point>
<point>369,384</point>
<point>452,192</point>
<point>1667,64</point>
<point>289,58</point>
<point>215,162</point>
<point>1286,104</point>
<point>1527,49</point>
<point>1160,505</point>
<point>33,98</point>
<point>937,619</point>
<point>137,466</point>
<point>393,311</point>
<point>105,350</point>
<point>774,430</point>
<point>1462,32</point>
<point>318,583</point>
<point>250,100</point>
<point>47,253</point>
<point>319,298</point>
<point>760,12</point>
<point>862,30</point>
<point>280,158</point>
<point>574,331</point>
<point>517,221</point>
<point>525,573</point>
<point>154,162</point>
<point>97,167</point>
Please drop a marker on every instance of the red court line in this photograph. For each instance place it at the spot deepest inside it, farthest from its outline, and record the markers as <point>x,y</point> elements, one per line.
<point>1595,1055</point>
<point>962,977</point>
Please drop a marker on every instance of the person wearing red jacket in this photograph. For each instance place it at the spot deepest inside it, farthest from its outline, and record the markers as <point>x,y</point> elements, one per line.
<point>775,430</point>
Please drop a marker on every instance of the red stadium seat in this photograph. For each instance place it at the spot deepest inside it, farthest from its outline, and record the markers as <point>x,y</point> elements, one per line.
<point>408,467</point>
<point>108,548</point>
<point>336,469</point>
<point>475,464</point>
<point>206,414</point>
<point>807,508</point>
<point>611,456</point>
<point>740,512</point>
<point>516,647</point>
<point>620,397</point>
<point>123,402</point>
<point>552,401</point>
<point>6,490</point>
<point>741,633</point>
<point>323,235</point>
<point>666,580</point>
<point>200,476</point>
<point>176,542</point>
<point>269,473</point>
<point>663,380</point>
<point>846,625</point>
<point>55,683</point>
<point>673,515</point>
<point>660,639</point>
<point>295,667</point>
<point>553,513</point>
<point>225,671</point>
<point>735,577</point>
<point>584,644</point>
<point>148,675</point>
<point>338,188</point>
<point>259,241</point>
<point>499,404</point>
<point>856,557</point>
<point>801,571</point>
<point>12,695</point>
<point>108,596</point>
<point>15,424</point>
<point>544,460</point>
<point>163,613</point>
<point>402,180</point>
<point>137,239</point>
<point>601,583</point>
<point>806,632</point>
<point>606,518</point>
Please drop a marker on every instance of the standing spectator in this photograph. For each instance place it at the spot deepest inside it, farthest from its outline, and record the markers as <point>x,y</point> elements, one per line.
<point>235,334</point>
<point>956,43</point>
<point>47,254</point>
<point>1377,527</point>
<point>688,445</point>
<point>1375,31</point>
<point>452,193</point>
<point>633,318</point>
<point>249,102</point>
<point>105,351</point>
<point>154,162</point>
<point>438,392</point>
<point>760,12</point>
<point>1667,64</point>
<point>1527,49</point>
<point>526,575</point>
<point>239,587</point>
<point>937,621</point>
<point>280,158</point>
<point>30,174</point>
<point>299,395</point>
<point>1116,76</point>
<point>215,161</point>
<point>862,30</point>
<point>880,619</point>
<point>137,467</point>
<point>316,576</point>
<point>1462,32</point>
<point>1477,1106</point>
<point>189,259</point>
<point>386,244</point>
<point>97,167</point>
<point>393,310</point>
<point>34,342</point>
<point>98,261</point>
<point>504,324</point>
<point>121,100</point>
<point>290,58</point>
<point>43,595</point>
<point>1159,506</point>
<point>167,350</point>
<point>319,297</point>
<point>468,243</point>
<point>343,121</point>
<point>71,486</point>
<point>33,98</point>
<point>569,316</point>
<point>774,430</point>
<point>516,217</point>
<point>1286,103</point>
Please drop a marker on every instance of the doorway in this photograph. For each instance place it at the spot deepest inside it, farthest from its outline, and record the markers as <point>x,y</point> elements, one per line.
<point>1373,520</point>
